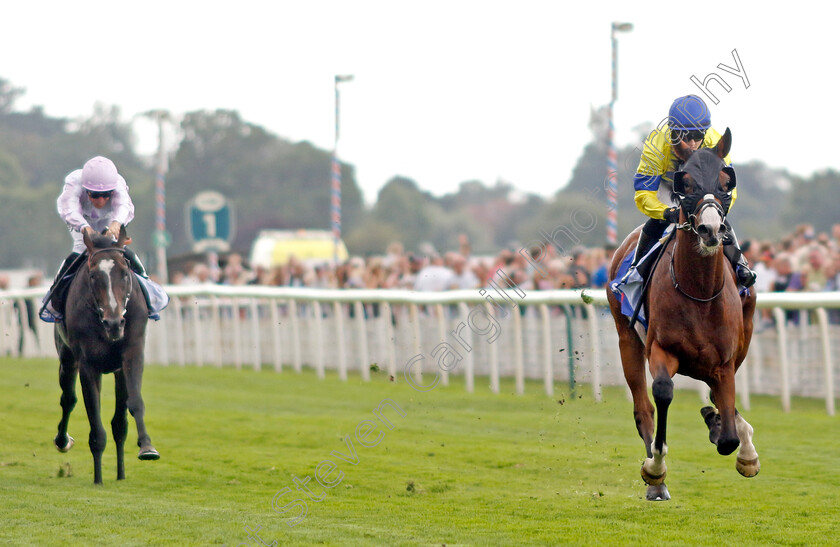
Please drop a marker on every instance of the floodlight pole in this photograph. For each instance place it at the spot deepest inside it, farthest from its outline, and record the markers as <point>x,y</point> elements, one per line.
<point>612,152</point>
<point>335,203</point>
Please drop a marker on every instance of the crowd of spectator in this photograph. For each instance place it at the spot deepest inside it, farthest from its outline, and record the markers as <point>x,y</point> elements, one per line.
<point>802,261</point>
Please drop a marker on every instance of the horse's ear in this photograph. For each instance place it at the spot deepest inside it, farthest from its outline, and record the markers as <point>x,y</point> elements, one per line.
<point>123,237</point>
<point>679,183</point>
<point>724,144</point>
<point>87,241</point>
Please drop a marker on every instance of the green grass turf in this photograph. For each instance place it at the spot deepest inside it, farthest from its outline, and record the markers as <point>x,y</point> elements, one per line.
<point>458,469</point>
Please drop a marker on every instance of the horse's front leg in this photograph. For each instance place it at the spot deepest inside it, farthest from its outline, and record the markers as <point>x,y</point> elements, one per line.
<point>133,372</point>
<point>67,372</point>
<point>91,386</point>
<point>663,366</point>
<point>746,461</point>
<point>721,421</point>
<point>119,424</point>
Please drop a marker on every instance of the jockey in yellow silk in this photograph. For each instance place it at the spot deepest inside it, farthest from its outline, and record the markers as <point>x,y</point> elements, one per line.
<point>687,128</point>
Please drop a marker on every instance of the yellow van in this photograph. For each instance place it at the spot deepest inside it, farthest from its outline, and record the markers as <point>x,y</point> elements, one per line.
<point>274,247</point>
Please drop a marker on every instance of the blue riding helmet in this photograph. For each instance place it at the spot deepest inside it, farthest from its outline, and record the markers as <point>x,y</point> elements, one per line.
<point>688,113</point>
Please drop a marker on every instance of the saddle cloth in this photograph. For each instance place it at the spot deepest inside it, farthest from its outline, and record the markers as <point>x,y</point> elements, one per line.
<point>628,283</point>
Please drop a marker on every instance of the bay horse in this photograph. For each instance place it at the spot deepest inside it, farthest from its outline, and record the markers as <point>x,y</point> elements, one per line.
<point>698,323</point>
<point>104,331</point>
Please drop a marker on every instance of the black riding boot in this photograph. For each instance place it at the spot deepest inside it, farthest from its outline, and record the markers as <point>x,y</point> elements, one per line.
<point>58,291</point>
<point>134,262</point>
<point>732,251</point>
<point>643,246</point>
<point>62,270</point>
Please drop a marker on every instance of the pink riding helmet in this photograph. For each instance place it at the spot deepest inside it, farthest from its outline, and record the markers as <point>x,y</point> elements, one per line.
<point>99,175</point>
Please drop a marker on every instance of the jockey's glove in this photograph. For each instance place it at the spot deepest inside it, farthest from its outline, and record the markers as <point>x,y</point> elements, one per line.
<point>672,214</point>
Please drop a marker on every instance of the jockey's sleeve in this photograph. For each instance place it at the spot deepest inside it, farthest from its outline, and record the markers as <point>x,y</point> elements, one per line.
<point>69,202</point>
<point>654,162</point>
<point>121,204</point>
<point>649,204</point>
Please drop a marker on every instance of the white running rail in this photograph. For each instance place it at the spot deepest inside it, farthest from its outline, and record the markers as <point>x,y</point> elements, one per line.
<point>425,338</point>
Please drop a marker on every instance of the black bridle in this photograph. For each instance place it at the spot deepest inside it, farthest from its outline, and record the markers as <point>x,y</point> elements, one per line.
<point>708,200</point>
<point>690,225</point>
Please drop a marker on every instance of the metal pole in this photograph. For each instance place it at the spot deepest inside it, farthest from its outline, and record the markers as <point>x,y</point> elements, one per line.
<point>161,238</point>
<point>335,203</point>
<point>160,198</point>
<point>612,152</point>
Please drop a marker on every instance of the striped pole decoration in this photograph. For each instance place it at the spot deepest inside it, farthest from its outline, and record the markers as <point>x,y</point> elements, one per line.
<point>160,200</point>
<point>335,204</point>
<point>612,163</point>
<point>612,182</point>
<point>612,152</point>
<point>335,201</point>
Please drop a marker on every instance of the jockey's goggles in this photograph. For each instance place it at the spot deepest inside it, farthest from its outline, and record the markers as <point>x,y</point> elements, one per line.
<point>98,195</point>
<point>686,135</point>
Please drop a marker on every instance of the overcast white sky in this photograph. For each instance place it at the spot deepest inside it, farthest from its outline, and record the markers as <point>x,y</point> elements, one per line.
<point>444,91</point>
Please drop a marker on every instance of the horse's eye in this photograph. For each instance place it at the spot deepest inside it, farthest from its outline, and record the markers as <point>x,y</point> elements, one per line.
<point>101,312</point>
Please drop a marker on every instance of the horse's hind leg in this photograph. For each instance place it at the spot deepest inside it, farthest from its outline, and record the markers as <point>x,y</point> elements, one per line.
<point>67,372</point>
<point>664,366</point>
<point>119,424</point>
<point>91,386</point>
<point>633,363</point>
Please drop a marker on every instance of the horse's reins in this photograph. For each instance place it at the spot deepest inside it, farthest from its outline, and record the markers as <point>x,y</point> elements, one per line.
<point>130,277</point>
<point>688,226</point>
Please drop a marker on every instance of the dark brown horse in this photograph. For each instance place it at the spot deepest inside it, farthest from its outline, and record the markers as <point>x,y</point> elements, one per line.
<point>104,330</point>
<point>698,324</point>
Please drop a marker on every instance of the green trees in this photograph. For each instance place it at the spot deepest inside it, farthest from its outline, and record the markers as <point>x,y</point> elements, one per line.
<point>272,182</point>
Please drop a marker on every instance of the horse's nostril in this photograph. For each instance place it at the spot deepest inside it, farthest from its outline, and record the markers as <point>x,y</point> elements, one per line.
<point>702,229</point>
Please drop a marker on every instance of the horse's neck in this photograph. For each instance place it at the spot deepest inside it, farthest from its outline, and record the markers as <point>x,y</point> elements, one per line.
<point>703,275</point>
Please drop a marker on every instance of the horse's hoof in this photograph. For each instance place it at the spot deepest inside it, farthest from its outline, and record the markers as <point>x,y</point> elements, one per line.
<point>748,468</point>
<point>726,447</point>
<point>658,493</point>
<point>148,454</point>
<point>66,448</point>
<point>653,480</point>
<point>712,419</point>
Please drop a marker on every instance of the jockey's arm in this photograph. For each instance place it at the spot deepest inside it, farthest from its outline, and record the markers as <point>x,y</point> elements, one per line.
<point>646,200</point>
<point>121,204</point>
<point>652,165</point>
